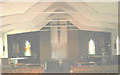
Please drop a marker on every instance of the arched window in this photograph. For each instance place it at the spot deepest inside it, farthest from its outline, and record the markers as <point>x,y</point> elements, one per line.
<point>91,47</point>
<point>27,48</point>
<point>117,45</point>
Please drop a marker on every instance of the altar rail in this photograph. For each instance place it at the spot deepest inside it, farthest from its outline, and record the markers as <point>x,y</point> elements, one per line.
<point>95,69</point>
<point>23,70</point>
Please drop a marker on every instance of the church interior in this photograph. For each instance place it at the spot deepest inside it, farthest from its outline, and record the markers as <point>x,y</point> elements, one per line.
<point>59,37</point>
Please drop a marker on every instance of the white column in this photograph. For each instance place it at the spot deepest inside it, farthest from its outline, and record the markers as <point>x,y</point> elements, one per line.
<point>5,43</point>
<point>1,47</point>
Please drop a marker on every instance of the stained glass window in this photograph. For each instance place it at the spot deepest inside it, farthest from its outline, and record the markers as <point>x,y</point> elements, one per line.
<point>27,48</point>
<point>91,47</point>
<point>117,45</point>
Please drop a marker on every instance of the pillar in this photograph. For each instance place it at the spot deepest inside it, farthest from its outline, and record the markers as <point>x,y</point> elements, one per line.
<point>5,44</point>
<point>1,46</point>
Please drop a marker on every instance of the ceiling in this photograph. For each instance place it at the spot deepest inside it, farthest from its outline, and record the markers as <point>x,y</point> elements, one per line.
<point>20,17</point>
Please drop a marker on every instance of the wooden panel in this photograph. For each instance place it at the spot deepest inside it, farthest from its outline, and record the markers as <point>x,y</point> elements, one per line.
<point>45,46</point>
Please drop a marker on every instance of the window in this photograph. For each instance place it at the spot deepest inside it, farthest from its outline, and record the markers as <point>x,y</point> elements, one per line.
<point>91,47</point>
<point>27,48</point>
<point>117,45</point>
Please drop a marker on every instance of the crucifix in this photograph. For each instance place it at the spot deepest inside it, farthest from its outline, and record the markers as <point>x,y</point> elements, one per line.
<point>59,40</point>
